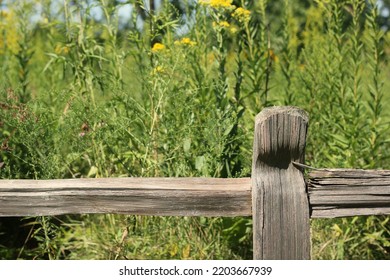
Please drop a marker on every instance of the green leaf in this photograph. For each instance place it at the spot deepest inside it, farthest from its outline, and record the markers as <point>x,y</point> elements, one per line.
<point>187,145</point>
<point>200,163</point>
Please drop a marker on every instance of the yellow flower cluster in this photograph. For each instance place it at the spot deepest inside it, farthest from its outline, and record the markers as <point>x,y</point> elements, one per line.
<point>158,47</point>
<point>9,37</point>
<point>233,30</point>
<point>185,41</point>
<point>158,70</point>
<point>218,4</point>
<point>242,15</point>
<point>223,24</point>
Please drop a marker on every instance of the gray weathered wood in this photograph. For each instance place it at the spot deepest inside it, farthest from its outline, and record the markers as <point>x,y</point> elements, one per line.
<point>143,196</point>
<point>281,228</point>
<point>348,192</point>
<point>332,193</point>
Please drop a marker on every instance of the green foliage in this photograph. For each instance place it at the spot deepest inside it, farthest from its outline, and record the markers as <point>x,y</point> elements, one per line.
<point>358,238</point>
<point>84,97</point>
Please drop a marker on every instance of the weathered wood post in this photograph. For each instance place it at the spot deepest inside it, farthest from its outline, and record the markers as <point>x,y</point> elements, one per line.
<point>281,228</point>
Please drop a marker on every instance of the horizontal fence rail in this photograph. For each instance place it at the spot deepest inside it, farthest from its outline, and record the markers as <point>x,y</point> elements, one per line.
<point>142,196</point>
<point>331,192</point>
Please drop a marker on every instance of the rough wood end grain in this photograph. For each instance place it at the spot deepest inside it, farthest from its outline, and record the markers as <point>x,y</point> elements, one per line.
<point>348,192</point>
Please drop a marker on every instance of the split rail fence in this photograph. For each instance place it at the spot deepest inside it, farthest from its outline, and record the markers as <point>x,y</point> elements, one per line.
<point>279,198</point>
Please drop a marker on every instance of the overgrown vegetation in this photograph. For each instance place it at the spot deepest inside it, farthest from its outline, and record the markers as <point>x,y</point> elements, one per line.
<point>87,92</point>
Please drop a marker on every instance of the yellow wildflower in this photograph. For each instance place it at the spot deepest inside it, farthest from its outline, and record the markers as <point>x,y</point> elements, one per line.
<point>221,24</point>
<point>158,47</point>
<point>217,4</point>
<point>158,70</point>
<point>233,30</point>
<point>9,35</point>
<point>188,41</point>
<point>224,24</point>
<point>242,15</point>
<point>185,41</point>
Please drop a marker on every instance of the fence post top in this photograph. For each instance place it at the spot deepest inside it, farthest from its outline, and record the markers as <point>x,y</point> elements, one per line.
<point>280,134</point>
<point>274,110</point>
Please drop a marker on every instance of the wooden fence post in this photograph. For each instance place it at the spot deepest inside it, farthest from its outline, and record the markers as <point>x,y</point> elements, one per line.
<point>280,207</point>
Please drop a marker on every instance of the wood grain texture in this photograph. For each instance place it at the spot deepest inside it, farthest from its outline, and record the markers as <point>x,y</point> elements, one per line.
<point>332,193</point>
<point>281,228</point>
<point>143,196</point>
<point>348,192</point>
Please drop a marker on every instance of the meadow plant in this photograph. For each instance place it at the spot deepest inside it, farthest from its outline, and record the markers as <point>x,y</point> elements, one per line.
<point>339,72</point>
